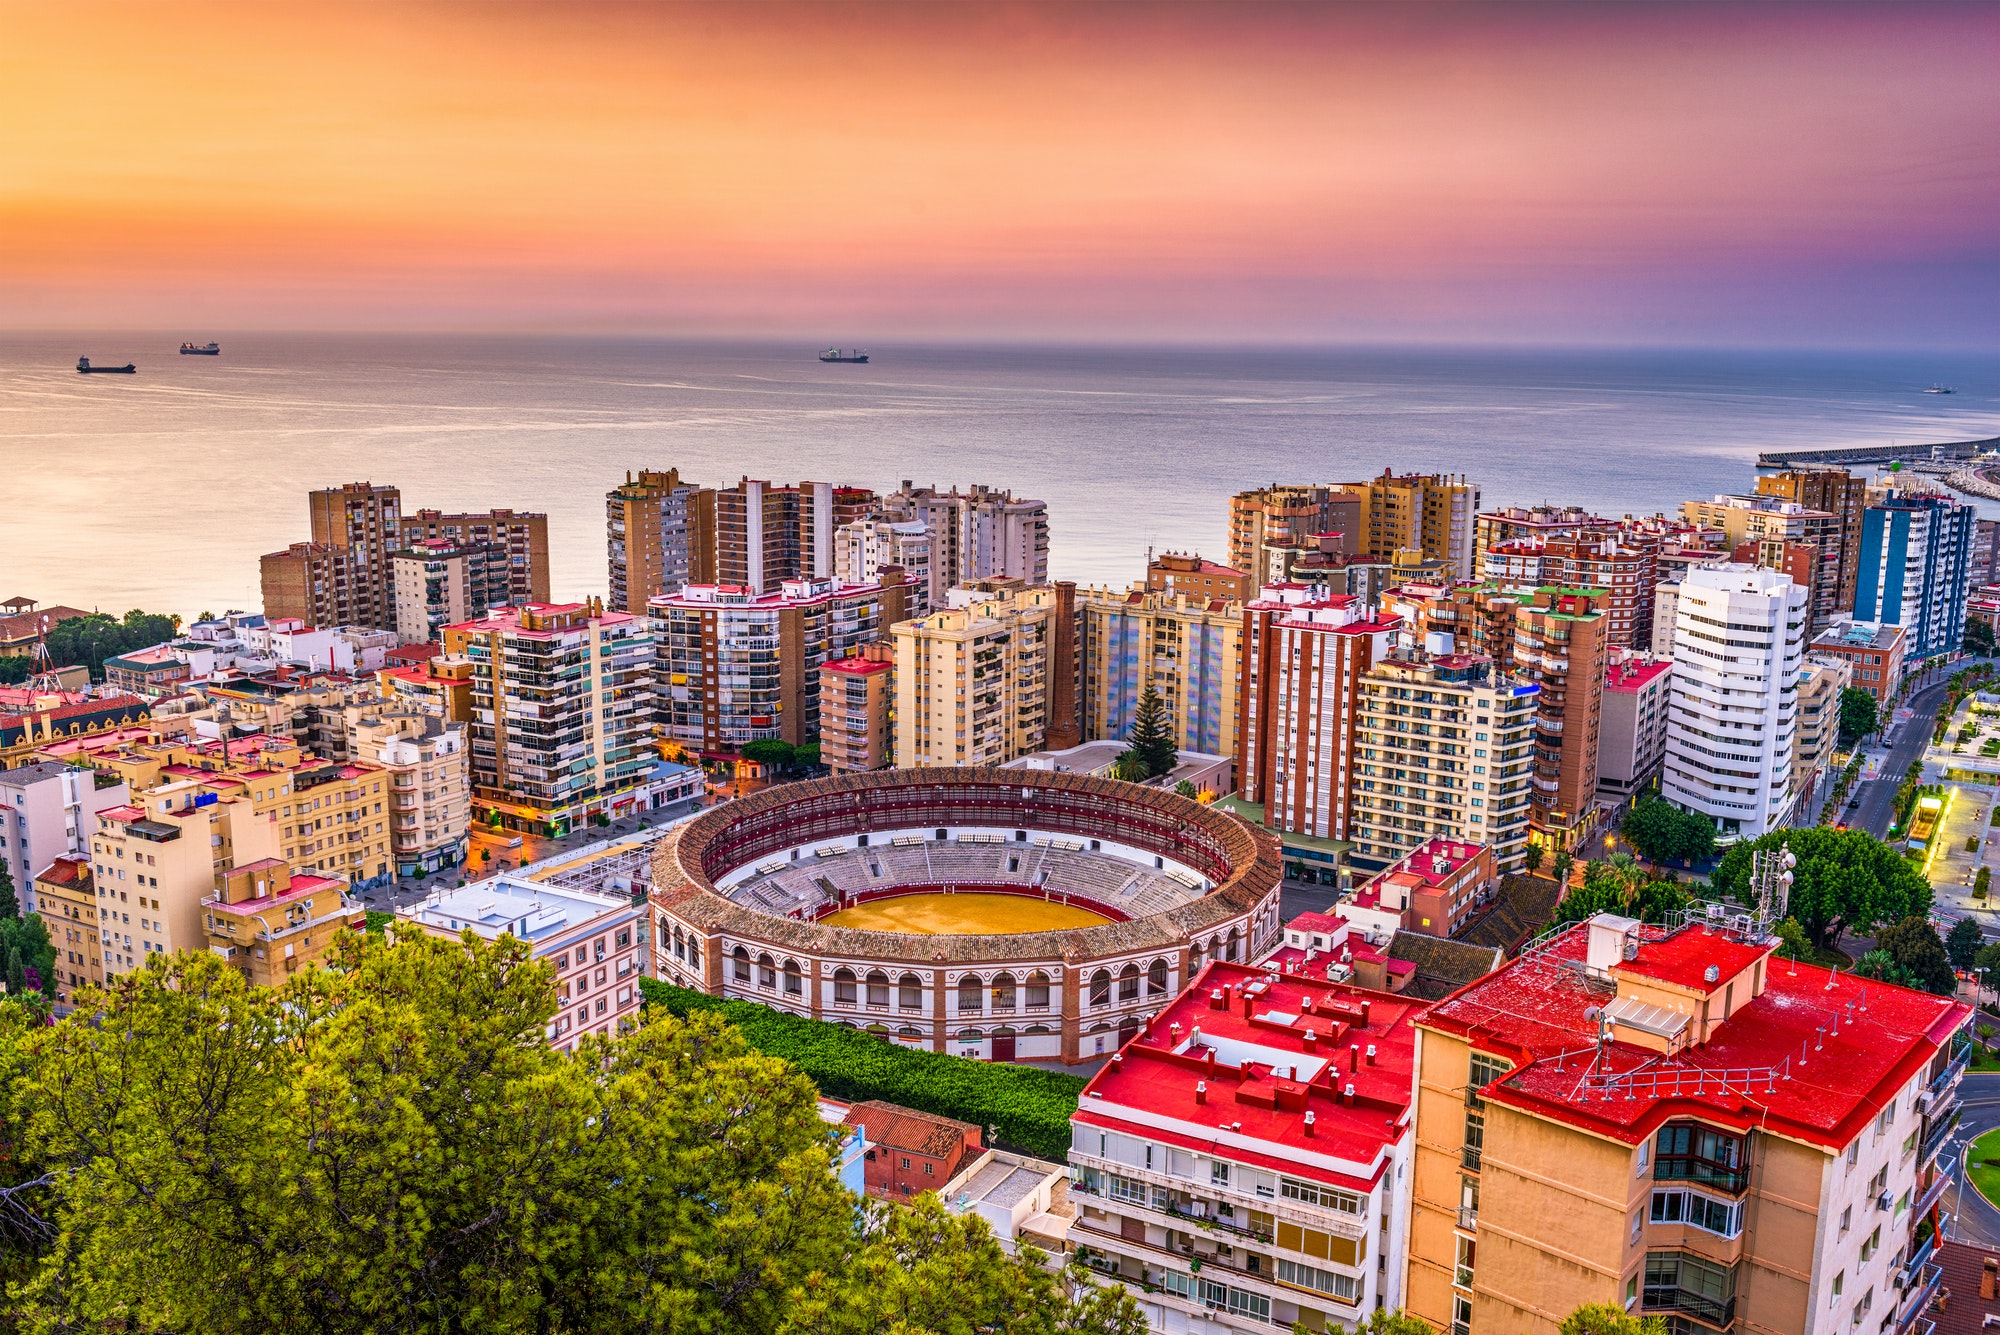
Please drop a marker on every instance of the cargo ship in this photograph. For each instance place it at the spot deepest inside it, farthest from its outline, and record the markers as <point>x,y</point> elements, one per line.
<point>83,367</point>
<point>836,355</point>
<point>1940,389</point>
<point>201,349</point>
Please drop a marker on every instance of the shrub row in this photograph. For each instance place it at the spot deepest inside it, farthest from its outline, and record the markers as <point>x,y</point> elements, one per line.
<point>1028,1108</point>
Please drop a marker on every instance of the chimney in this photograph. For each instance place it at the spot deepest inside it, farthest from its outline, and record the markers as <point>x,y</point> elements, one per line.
<point>1201,1091</point>
<point>1118,1059</point>
<point>1215,1001</point>
<point>1353,1056</point>
<point>1248,1002</point>
<point>1194,1037</point>
<point>1347,1094</point>
<point>1062,731</point>
<point>1311,1041</point>
<point>1989,1278</point>
<point>1306,1005</point>
<point>1365,1006</point>
<point>1371,1054</point>
<point>1309,1121</point>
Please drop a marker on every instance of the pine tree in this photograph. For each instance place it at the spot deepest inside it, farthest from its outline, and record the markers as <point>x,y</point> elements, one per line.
<point>1151,740</point>
<point>10,903</point>
<point>17,973</point>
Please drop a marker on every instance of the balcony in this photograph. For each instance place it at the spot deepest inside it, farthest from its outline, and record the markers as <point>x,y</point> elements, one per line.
<point>1702,1308</point>
<point>1469,1158</point>
<point>1918,1295</point>
<point>1937,1128</point>
<point>1468,1217</point>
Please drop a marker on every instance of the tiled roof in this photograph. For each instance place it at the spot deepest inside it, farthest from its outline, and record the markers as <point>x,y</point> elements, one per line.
<point>901,1128</point>
<point>1523,907</point>
<point>1442,965</point>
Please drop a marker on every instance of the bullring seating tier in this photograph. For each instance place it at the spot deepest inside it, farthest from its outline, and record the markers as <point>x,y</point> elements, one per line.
<point>823,876</point>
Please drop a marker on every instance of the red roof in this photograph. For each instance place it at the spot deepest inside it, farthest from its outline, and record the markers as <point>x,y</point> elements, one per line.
<point>1633,676</point>
<point>862,666</point>
<point>1248,1055</point>
<point>1814,1056</point>
<point>65,871</point>
<point>123,813</point>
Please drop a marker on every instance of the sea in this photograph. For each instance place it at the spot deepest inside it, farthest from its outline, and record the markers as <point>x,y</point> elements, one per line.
<point>159,490</point>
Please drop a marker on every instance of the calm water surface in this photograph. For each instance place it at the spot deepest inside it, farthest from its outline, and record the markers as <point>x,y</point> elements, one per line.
<point>161,489</point>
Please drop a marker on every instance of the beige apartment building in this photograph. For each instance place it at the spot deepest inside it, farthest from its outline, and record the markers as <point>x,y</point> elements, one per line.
<point>66,897</point>
<point>1830,489</point>
<point>1676,1122</point>
<point>1433,513</point>
<point>1821,681</point>
<point>864,548</point>
<point>1290,517</point>
<point>973,679</point>
<point>659,535</point>
<point>437,581</point>
<point>430,787</point>
<point>269,922</point>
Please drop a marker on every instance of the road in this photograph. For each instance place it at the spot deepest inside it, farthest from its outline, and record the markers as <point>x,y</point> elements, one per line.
<point>1974,1217</point>
<point>1878,796</point>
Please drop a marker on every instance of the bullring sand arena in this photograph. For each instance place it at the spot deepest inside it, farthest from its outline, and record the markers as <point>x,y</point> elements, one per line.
<point>964,915</point>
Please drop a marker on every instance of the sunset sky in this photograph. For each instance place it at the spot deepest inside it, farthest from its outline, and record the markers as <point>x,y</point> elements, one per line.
<point>1797,174</point>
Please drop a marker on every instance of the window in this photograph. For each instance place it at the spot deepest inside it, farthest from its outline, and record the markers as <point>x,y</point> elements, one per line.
<point>909,993</point>
<point>1846,1220</point>
<point>878,988</point>
<point>1244,1303</point>
<point>1461,1273</point>
<point>1178,1284</point>
<point>1838,1281</point>
<point>1003,992</point>
<point>1691,1153</point>
<point>1038,990</point>
<point>1156,978</point>
<point>1125,1189</point>
<point>1311,1193</point>
<point>843,988</point>
<point>1702,1289</point>
<point>1218,1173</point>
<point>1873,1245</point>
<point>1722,1218</point>
<point>906,1163</point>
<point>927,1171</point>
<point>1344,1287</point>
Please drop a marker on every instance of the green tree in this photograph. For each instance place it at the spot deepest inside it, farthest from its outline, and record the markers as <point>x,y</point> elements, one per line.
<point>1919,954</point>
<point>1858,715</point>
<point>1792,941</point>
<point>773,753</point>
<point>91,639</point>
<point>390,1145</point>
<point>1605,891</point>
<point>10,902</point>
<point>806,755</point>
<point>1963,942</point>
<point>927,1270</point>
<point>1533,855</point>
<point>1978,638</point>
<point>1151,740</point>
<point>1846,880</point>
<point>15,668</point>
<point>1982,882</point>
<point>1665,833</point>
<point>1186,788</point>
<point>1610,1319</point>
<point>1881,966</point>
<point>1382,1321</point>
<point>1559,866</point>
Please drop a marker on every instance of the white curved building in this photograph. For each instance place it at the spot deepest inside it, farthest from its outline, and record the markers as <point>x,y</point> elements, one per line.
<point>1739,642</point>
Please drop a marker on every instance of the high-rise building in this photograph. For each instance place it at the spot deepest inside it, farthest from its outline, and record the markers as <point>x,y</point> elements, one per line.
<point>1562,643</point>
<point>1529,523</point>
<point>1245,1158</point>
<point>1180,572</point>
<point>733,666</point>
<point>1778,527</point>
<point>1290,516</point>
<point>430,786</point>
<point>47,811</point>
<point>343,576</point>
<point>1982,565</point>
<point>857,710</point>
<point>1832,489</point>
<point>1184,647</point>
<point>269,921</point>
<point>863,548</point>
<point>1632,738</point>
<point>1624,565</point>
<point>765,534</point>
<point>1739,641</point>
<point>1443,745</point>
<point>1432,513</point>
<point>438,582</point>
<point>562,713</point>
<point>973,680</point>
<point>1676,1123</point>
<point>659,535</point>
<point>1821,681</point>
<point>977,534</point>
<point>1915,552</point>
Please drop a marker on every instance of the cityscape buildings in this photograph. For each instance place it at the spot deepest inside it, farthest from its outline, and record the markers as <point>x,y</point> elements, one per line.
<point>974,679</point>
<point>1186,573</point>
<point>975,535</point>
<point>1832,490</point>
<point>1915,551</point>
<point>1632,733</point>
<point>1184,646</point>
<point>438,582</point>
<point>857,709</point>
<point>1431,513</point>
<point>1873,652</point>
<point>659,535</point>
<point>1562,643</point>
<point>863,549</point>
<point>47,811</point>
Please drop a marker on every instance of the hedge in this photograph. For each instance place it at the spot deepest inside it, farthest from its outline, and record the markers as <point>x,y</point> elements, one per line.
<point>1028,1108</point>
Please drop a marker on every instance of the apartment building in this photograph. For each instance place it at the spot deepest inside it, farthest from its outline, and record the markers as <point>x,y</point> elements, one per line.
<point>1303,656</point>
<point>562,713</point>
<point>1821,680</point>
<point>734,666</point>
<point>1360,576</point>
<point>1529,523</point>
<point>1185,647</point>
<point>1625,568</point>
<point>440,686</point>
<point>429,784</point>
<point>1833,490</point>
<point>47,811</point>
<point>1444,747</point>
<point>597,943</point>
<point>65,894</point>
<point>974,679</point>
<point>1476,619</point>
<point>1186,572</point>
<point>659,535</point>
<point>1432,513</point>
<point>857,709</point>
<point>862,550</point>
<point>154,860</point>
<point>1739,642</point>
<point>438,582</point>
<point>1913,571</point>
<point>269,922</point>
<point>1632,730</point>
<point>1290,517</point>
<point>1777,526</point>
<point>1433,890</point>
<point>1676,1122</point>
<point>1873,652</point>
<point>32,717</point>
<point>976,535</point>
<point>1562,643</point>
<point>342,576</point>
<point>1243,1161</point>
<point>1982,565</point>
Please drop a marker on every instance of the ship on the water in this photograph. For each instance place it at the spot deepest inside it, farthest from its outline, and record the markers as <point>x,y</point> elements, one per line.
<point>1940,389</point>
<point>201,349</point>
<point>836,355</point>
<point>83,367</point>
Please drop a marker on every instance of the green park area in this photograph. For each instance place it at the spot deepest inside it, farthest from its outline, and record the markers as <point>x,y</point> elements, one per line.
<point>1981,1165</point>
